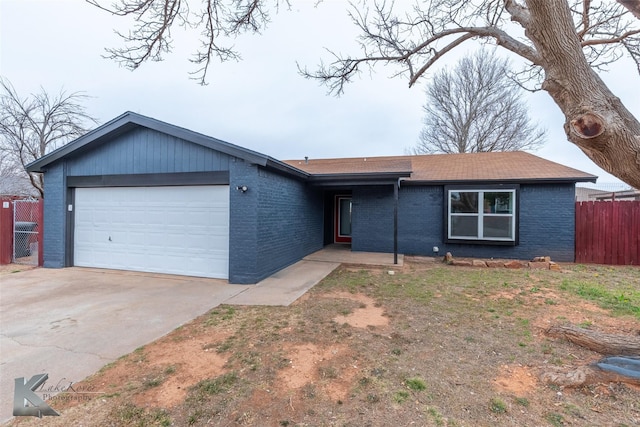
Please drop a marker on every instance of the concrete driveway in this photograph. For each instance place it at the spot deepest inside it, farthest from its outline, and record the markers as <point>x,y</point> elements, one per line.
<point>70,322</point>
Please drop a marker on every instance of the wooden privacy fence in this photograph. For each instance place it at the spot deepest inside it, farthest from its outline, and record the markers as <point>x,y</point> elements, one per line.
<point>608,232</point>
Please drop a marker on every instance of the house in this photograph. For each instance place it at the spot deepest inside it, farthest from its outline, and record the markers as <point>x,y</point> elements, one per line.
<point>140,194</point>
<point>613,192</point>
<point>17,185</point>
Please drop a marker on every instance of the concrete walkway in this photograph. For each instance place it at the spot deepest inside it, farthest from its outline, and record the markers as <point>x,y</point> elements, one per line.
<point>289,284</point>
<point>285,286</point>
<point>343,254</point>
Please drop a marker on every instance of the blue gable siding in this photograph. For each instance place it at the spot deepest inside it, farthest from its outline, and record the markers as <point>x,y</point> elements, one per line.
<point>546,223</point>
<point>143,151</point>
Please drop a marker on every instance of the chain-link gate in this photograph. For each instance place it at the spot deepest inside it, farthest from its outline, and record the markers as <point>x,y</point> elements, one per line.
<point>26,219</point>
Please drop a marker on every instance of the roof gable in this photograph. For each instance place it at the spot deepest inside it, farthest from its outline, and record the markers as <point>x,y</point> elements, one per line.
<point>129,121</point>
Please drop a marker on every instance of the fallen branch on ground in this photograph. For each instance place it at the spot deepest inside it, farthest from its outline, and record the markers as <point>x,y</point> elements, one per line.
<point>606,344</point>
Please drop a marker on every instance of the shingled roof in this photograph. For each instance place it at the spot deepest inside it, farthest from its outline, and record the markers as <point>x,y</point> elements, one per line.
<point>502,166</point>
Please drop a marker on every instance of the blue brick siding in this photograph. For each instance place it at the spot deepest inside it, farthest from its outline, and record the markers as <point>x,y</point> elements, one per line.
<point>55,214</point>
<point>243,223</point>
<point>290,218</point>
<point>372,219</point>
<point>275,223</point>
<point>546,223</point>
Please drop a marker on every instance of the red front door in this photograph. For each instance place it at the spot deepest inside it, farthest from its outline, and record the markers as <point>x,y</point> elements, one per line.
<point>342,222</point>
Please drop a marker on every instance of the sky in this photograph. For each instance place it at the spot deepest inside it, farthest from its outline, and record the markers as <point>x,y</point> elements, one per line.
<point>260,102</point>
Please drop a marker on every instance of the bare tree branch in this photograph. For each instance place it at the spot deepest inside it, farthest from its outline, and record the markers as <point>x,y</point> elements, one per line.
<point>34,126</point>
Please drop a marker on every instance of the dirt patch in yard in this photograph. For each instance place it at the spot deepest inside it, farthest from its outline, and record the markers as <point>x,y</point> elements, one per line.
<point>520,381</point>
<point>431,345</point>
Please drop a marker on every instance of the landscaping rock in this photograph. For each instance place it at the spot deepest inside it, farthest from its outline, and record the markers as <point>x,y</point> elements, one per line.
<point>554,266</point>
<point>539,265</point>
<point>478,263</point>
<point>448,258</point>
<point>495,264</point>
<point>461,263</point>
<point>514,264</point>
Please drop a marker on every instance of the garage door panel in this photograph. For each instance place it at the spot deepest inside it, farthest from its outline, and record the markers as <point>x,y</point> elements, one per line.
<point>175,230</point>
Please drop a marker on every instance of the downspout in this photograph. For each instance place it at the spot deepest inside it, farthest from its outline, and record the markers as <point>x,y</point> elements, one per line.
<point>395,220</point>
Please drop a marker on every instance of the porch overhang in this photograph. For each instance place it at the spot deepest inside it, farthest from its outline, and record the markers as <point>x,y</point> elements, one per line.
<point>357,179</point>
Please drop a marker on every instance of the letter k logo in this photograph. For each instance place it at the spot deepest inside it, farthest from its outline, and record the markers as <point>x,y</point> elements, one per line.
<point>24,391</point>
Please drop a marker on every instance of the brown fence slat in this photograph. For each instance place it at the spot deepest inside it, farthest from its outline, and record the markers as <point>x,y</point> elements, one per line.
<point>608,232</point>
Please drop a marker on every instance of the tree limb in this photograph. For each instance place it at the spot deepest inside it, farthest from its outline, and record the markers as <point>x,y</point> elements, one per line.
<point>632,5</point>
<point>606,344</point>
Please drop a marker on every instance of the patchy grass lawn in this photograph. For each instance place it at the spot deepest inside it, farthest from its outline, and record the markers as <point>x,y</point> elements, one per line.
<point>431,345</point>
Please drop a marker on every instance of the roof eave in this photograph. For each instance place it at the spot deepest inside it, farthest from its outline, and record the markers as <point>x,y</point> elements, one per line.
<point>502,181</point>
<point>286,168</point>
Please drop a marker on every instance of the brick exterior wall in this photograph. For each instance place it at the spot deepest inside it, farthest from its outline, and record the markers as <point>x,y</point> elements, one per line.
<point>55,216</point>
<point>275,223</point>
<point>290,218</point>
<point>243,222</point>
<point>372,219</point>
<point>546,223</point>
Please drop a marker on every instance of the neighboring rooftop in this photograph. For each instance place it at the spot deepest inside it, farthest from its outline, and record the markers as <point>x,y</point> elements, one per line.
<point>607,192</point>
<point>500,166</point>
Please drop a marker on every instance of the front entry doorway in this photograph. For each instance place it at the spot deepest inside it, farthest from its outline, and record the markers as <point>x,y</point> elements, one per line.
<point>342,223</point>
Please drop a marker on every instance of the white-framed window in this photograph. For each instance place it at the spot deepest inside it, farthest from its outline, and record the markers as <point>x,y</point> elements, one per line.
<point>482,215</point>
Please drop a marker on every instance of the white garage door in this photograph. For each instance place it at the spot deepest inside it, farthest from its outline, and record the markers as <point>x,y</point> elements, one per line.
<point>174,230</point>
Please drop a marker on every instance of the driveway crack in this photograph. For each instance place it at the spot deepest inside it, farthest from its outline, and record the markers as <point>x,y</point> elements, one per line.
<point>108,359</point>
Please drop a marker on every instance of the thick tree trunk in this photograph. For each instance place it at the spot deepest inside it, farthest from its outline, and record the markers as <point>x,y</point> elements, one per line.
<point>632,5</point>
<point>595,119</point>
<point>606,344</point>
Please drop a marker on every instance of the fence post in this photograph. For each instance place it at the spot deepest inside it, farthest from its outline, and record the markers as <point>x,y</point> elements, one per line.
<point>6,232</point>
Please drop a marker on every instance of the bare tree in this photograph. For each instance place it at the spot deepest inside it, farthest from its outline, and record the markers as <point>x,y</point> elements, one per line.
<point>564,43</point>
<point>476,107</point>
<point>32,127</point>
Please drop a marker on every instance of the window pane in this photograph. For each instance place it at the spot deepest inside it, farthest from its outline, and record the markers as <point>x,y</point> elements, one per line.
<point>464,202</point>
<point>464,226</point>
<point>345,217</point>
<point>498,227</point>
<point>498,202</point>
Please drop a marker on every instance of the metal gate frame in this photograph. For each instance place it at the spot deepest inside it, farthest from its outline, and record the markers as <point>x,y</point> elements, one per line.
<point>26,230</point>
